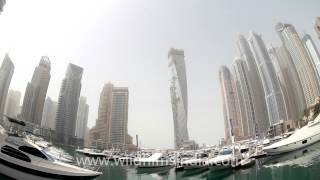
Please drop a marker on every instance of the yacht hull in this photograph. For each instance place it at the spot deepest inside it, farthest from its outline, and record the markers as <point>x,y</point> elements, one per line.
<point>219,167</point>
<point>21,173</point>
<point>294,146</point>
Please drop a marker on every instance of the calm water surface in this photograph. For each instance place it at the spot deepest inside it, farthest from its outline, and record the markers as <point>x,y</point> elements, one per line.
<point>303,164</point>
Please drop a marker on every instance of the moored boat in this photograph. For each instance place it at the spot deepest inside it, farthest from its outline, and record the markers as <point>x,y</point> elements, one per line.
<point>21,159</point>
<point>157,160</point>
<point>305,136</point>
<point>228,158</point>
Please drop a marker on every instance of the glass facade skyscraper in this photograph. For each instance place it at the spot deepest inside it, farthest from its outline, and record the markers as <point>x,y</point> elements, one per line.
<point>257,92</point>
<point>179,96</point>
<point>6,72</point>
<point>68,105</point>
<point>230,105</point>
<point>36,92</point>
<point>12,108</point>
<point>49,114</point>
<point>303,64</point>
<point>313,53</point>
<point>289,82</point>
<point>244,96</point>
<point>273,95</point>
<point>82,117</point>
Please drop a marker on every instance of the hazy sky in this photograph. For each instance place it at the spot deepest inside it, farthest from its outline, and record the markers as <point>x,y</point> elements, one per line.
<point>126,43</point>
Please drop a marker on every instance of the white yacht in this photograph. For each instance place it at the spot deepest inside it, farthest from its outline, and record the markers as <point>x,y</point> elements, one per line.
<point>303,137</point>
<point>21,159</point>
<point>304,157</point>
<point>154,161</point>
<point>91,152</point>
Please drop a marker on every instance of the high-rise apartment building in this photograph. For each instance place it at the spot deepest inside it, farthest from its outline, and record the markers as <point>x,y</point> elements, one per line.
<point>244,96</point>
<point>119,116</point>
<point>313,53</point>
<point>82,117</point>
<point>303,64</point>
<point>179,96</point>
<point>12,108</point>
<point>275,101</point>
<point>6,72</point>
<point>111,127</point>
<point>49,114</point>
<point>289,82</point>
<point>68,105</point>
<point>36,92</point>
<point>257,92</point>
<point>230,108</point>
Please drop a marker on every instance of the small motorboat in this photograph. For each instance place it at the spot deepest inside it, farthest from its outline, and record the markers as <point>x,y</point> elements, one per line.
<point>198,162</point>
<point>91,152</point>
<point>228,158</point>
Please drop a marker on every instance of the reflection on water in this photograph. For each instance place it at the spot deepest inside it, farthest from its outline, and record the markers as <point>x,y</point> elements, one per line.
<point>195,172</point>
<point>303,164</point>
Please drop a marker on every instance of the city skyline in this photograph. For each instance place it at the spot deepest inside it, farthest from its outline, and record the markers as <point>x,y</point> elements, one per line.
<point>202,67</point>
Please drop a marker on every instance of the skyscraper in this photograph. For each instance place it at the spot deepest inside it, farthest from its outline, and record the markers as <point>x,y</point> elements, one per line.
<point>257,93</point>
<point>36,92</point>
<point>230,108</point>
<point>274,98</point>
<point>68,105</point>
<point>317,26</point>
<point>2,3</point>
<point>306,72</point>
<point>244,96</point>
<point>49,114</point>
<point>100,132</point>
<point>111,127</point>
<point>82,117</point>
<point>6,72</point>
<point>179,96</point>
<point>13,103</point>
<point>119,116</point>
<point>289,82</point>
<point>312,53</point>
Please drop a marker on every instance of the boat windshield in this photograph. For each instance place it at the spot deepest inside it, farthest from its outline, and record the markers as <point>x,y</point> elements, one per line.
<point>202,155</point>
<point>33,151</point>
<point>49,157</point>
<point>226,152</point>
